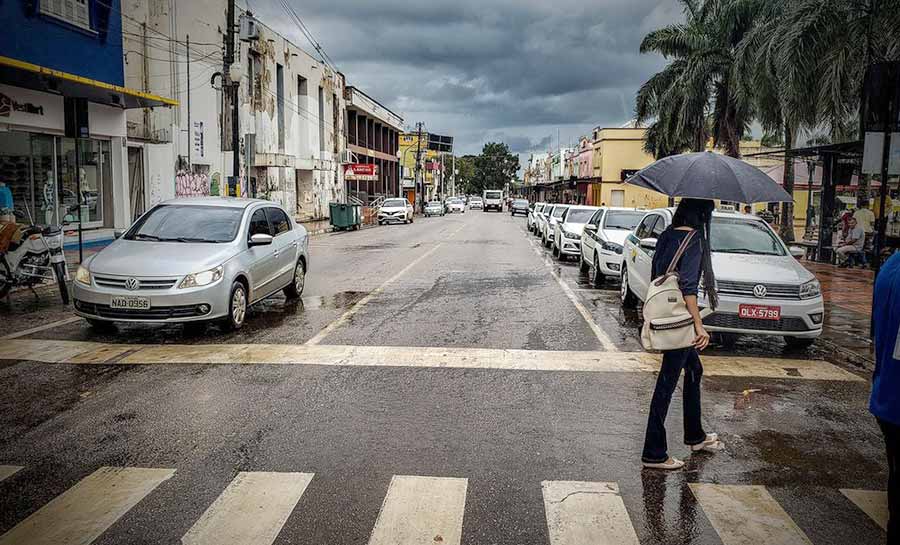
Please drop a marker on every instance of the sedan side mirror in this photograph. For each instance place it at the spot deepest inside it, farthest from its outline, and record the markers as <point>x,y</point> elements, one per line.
<point>590,227</point>
<point>798,251</point>
<point>261,239</point>
<point>648,243</point>
<point>117,234</point>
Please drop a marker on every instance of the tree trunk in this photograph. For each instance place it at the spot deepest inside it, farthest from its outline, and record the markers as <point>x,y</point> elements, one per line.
<point>787,208</point>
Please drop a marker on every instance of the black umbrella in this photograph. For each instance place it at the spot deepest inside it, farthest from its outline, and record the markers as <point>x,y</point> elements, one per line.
<point>708,175</point>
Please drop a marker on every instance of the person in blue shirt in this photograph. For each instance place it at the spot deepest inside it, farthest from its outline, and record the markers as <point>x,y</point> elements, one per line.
<point>885,400</point>
<point>692,215</point>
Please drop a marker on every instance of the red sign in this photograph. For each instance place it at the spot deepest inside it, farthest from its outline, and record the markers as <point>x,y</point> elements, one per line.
<point>363,172</point>
<point>433,165</point>
<point>759,312</point>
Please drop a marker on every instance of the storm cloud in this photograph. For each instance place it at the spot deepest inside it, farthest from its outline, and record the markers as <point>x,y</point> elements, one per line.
<point>527,72</point>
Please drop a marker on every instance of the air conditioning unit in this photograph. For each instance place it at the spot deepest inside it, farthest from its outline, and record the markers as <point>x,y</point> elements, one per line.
<point>346,157</point>
<point>249,29</point>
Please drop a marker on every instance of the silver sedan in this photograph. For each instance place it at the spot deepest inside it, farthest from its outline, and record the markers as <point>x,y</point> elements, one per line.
<point>195,259</point>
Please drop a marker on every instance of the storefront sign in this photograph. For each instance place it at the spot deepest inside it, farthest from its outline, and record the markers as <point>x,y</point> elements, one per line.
<point>8,106</point>
<point>361,172</point>
<point>197,139</point>
<point>31,109</point>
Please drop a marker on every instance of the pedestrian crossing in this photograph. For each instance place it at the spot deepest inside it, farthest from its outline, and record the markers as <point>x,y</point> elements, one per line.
<point>254,507</point>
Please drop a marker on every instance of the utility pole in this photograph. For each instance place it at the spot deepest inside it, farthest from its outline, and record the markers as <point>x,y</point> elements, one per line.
<point>419,185</point>
<point>190,130</point>
<point>235,88</point>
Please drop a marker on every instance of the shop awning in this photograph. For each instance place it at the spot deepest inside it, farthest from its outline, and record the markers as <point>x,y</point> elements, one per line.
<point>39,78</point>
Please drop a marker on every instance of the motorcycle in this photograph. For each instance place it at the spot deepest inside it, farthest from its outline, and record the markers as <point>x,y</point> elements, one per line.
<point>37,257</point>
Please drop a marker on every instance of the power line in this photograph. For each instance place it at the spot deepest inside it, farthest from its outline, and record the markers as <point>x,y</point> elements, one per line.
<point>307,34</point>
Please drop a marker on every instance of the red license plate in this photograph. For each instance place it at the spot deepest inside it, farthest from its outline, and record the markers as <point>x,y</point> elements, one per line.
<point>759,312</point>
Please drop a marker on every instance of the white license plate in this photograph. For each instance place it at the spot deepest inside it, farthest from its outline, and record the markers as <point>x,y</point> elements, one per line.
<point>759,312</point>
<point>130,303</point>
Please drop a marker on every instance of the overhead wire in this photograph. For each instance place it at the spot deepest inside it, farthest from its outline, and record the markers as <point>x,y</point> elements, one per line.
<point>307,34</point>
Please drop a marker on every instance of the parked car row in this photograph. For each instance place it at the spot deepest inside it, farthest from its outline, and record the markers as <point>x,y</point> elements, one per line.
<point>762,288</point>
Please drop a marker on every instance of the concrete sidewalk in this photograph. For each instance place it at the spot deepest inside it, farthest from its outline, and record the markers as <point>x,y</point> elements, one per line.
<point>848,309</point>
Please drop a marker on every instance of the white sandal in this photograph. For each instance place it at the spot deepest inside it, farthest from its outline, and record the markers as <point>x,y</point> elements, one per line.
<point>669,464</point>
<point>711,444</point>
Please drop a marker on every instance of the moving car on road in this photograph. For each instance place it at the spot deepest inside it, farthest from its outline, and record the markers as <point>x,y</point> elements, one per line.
<point>493,200</point>
<point>395,211</point>
<point>762,288</point>
<point>533,211</point>
<point>567,231</point>
<point>548,227</point>
<point>603,240</point>
<point>475,203</point>
<point>434,208</point>
<point>455,204</point>
<point>194,260</point>
<point>518,206</point>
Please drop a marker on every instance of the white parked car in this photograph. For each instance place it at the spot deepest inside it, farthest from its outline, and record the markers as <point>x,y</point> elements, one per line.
<point>540,220</point>
<point>533,211</point>
<point>567,231</point>
<point>395,211</point>
<point>603,240</point>
<point>456,204</point>
<point>434,208</point>
<point>762,288</point>
<point>549,226</point>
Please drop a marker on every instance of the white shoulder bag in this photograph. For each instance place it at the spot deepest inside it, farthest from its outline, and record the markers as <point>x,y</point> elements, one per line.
<point>667,323</point>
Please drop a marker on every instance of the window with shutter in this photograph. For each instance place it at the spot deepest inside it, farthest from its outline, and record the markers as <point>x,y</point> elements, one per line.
<point>75,12</point>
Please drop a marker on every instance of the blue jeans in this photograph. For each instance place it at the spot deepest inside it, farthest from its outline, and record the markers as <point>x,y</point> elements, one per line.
<point>892,441</point>
<point>655,445</point>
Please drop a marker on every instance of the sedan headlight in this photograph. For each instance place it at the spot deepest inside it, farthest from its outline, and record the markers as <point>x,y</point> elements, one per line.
<point>612,247</point>
<point>570,234</point>
<point>83,275</point>
<point>810,289</point>
<point>204,278</point>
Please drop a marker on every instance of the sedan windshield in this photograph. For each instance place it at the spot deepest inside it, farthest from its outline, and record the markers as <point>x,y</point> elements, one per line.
<point>620,219</point>
<point>579,215</point>
<point>394,203</point>
<point>520,202</point>
<point>734,236</point>
<point>558,211</point>
<point>187,223</point>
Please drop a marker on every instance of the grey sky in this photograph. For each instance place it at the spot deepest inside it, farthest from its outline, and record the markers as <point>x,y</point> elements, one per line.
<point>488,70</point>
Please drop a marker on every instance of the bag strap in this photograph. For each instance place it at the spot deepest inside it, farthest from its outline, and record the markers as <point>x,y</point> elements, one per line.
<point>681,249</point>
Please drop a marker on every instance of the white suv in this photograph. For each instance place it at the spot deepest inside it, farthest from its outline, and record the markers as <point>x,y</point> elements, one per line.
<point>493,199</point>
<point>567,231</point>
<point>548,226</point>
<point>762,288</point>
<point>603,240</point>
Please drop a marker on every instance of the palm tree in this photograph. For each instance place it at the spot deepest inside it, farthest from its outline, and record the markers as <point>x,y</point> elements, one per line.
<point>698,82</point>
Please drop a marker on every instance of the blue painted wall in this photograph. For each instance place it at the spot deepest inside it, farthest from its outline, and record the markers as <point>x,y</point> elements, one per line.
<point>28,36</point>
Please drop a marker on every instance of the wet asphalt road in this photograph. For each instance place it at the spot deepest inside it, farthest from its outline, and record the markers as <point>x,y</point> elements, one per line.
<point>475,281</point>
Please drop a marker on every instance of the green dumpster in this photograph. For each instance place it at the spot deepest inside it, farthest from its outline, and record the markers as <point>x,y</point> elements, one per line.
<point>344,216</point>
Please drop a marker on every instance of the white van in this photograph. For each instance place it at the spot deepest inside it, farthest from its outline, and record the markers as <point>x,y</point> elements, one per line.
<point>493,198</point>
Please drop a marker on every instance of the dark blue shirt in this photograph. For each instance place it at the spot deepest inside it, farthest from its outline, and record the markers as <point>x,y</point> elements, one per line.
<point>885,400</point>
<point>691,262</point>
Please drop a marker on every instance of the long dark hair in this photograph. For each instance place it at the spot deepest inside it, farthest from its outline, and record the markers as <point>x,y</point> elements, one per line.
<point>697,214</point>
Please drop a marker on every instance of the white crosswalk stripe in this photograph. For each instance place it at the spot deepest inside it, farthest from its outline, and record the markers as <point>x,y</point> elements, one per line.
<point>251,510</point>
<point>79,515</point>
<point>747,515</point>
<point>586,513</point>
<point>872,502</point>
<point>420,510</point>
<point>8,471</point>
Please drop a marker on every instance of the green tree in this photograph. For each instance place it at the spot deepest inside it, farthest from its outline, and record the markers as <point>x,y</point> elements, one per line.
<point>697,83</point>
<point>466,177</point>
<point>494,167</point>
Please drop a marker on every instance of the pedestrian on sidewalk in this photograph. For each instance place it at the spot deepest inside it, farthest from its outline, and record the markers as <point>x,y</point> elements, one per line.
<point>885,400</point>
<point>691,215</point>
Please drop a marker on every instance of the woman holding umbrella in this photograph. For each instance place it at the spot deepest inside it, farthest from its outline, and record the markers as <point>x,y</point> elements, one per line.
<point>691,219</point>
<point>697,178</point>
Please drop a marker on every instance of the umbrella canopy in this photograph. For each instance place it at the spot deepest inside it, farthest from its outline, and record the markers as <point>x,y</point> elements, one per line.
<point>708,175</point>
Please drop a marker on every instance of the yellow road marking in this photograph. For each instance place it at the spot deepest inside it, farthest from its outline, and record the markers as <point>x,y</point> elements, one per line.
<point>89,353</point>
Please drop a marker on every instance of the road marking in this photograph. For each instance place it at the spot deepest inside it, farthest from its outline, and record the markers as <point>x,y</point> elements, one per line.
<point>747,515</point>
<point>8,471</point>
<point>80,514</point>
<point>44,327</point>
<point>872,502</point>
<point>586,513</point>
<point>601,335</point>
<point>421,510</point>
<point>91,353</point>
<point>251,510</point>
<point>327,330</point>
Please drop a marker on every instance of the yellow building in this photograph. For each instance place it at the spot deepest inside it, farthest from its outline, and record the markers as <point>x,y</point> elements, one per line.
<point>618,153</point>
<point>408,144</point>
